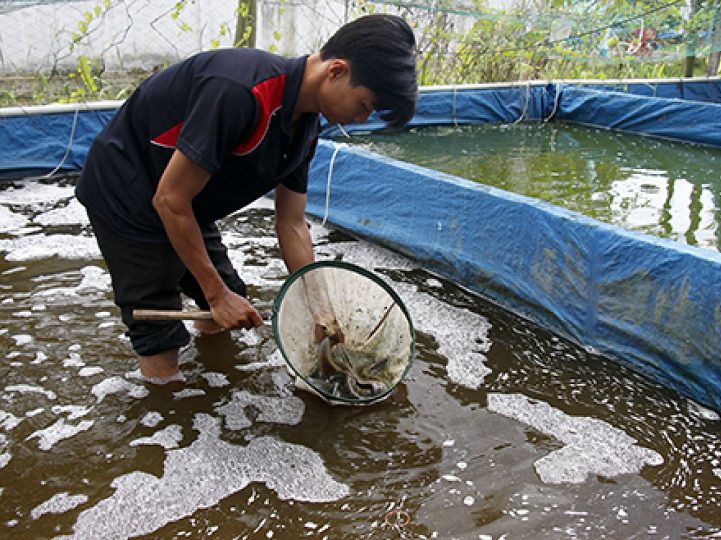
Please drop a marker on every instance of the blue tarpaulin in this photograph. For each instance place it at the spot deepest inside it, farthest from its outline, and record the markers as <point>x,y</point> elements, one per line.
<point>37,143</point>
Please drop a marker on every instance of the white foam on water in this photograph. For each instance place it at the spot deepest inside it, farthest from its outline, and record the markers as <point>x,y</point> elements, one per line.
<point>23,314</point>
<point>115,385</point>
<point>168,437</point>
<point>22,339</point>
<point>368,256</point>
<point>265,203</point>
<point>35,194</point>
<point>591,446</point>
<point>215,380</point>
<point>151,419</point>
<point>34,412</point>
<point>11,221</point>
<point>160,381</point>
<point>699,410</point>
<point>57,432</point>
<point>273,360</point>
<point>462,335</point>
<point>42,246</point>
<point>14,271</point>
<point>40,357</point>
<point>188,393</point>
<point>102,314</point>
<point>72,214</point>
<point>94,279</point>
<point>58,504</point>
<point>30,389</point>
<point>22,231</point>
<point>201,475</point>
<point>5,458</point>
<point>234,240</point>
<point>73,360</point>
<point>251,338</point>
<point>90,371</point>
<point>275,410</point>
<point>8,420</point>
<point>74,411</point>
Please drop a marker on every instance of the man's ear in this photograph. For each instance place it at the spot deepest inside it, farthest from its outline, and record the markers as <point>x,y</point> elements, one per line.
<point>338,68</point>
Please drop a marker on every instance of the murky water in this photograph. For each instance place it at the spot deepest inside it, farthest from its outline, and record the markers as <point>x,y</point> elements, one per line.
<point>500,429</point>
<point>662,188</point>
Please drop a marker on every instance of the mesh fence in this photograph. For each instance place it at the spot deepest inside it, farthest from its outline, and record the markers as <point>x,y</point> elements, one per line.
<point>52,50</point>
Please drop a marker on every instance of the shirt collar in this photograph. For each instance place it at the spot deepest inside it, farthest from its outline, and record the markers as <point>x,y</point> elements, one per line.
<point>294,78</point>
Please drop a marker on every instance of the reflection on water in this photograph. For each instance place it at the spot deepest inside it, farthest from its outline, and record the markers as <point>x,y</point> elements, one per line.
<point>500,428</point>
<point>665,189</point>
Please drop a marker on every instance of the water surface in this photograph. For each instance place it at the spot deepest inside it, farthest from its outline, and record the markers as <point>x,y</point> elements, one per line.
<point>657,187</point>
<point>500,427</point>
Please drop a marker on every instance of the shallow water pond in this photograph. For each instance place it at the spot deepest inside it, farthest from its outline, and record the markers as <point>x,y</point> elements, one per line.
<point>500,428</point>
<point>662,188</point>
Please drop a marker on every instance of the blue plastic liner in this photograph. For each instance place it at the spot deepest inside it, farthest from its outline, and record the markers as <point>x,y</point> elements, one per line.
<point>708,90</point>
<point>36,143</point>
<point>668,118</point>
<point>673,119</point>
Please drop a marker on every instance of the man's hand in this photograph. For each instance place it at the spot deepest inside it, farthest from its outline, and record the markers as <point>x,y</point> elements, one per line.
<point>231,310</point>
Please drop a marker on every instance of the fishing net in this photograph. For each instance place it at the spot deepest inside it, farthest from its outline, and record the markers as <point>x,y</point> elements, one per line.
<point>345,334</point>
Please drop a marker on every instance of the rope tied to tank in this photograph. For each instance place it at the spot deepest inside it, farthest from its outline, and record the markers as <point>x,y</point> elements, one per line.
<point>527,98</point>
<point>338,147</point>
<point>556,99</point>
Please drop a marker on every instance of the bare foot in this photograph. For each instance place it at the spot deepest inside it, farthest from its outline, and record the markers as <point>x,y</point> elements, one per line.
<point>160,367</point>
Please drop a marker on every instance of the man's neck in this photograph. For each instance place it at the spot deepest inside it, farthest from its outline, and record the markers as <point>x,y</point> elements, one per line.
<point>312,77</point>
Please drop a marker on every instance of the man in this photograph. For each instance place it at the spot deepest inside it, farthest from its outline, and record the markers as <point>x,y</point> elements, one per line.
<point>208,136</point>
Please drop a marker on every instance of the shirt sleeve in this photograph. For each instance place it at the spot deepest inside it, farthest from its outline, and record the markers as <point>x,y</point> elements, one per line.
<point>220,114</point>
<point>298,179</point>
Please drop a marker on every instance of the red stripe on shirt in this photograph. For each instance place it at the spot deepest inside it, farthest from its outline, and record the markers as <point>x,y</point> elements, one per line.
<point>168,138</point>
<point>269,97</point>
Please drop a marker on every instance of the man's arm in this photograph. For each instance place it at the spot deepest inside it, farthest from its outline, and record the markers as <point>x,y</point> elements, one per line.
<point>294,238</point>
<point>181,181</point>
<point>296,246</point>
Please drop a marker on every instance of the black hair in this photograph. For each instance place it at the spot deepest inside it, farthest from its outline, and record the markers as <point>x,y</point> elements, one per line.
<point>381,51</point>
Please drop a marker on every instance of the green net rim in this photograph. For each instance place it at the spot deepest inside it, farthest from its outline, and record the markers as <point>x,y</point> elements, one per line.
<point>366,273</point>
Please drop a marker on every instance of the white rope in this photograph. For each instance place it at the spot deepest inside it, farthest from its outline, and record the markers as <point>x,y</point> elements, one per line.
<point>343,131</point>
<point>70,144</point>
<point>330,175</point>
<point>525,103</point>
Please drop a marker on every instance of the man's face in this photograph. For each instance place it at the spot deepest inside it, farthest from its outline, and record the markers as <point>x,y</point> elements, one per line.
<point>340,102</point>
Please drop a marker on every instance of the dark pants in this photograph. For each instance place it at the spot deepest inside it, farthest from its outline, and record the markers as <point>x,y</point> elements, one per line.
<point>152,276</point>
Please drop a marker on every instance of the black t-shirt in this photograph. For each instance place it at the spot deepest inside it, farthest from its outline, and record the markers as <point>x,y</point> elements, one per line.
<point>229,111</point>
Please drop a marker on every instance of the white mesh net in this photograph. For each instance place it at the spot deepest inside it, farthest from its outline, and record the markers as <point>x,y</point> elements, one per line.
<point>344,333</point>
